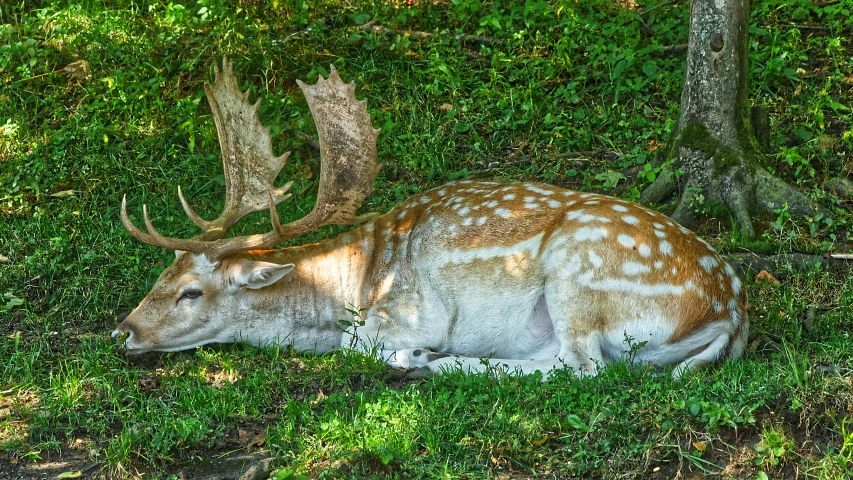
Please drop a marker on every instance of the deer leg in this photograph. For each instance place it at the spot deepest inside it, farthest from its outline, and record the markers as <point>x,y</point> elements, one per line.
<point>409,358</point>
<point>583,357</point>
<point>703,355</point>
<point>470,365</point>
<point>386,334</point>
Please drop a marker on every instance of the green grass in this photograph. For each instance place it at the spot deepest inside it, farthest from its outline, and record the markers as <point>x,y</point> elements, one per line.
<point>548,81</point>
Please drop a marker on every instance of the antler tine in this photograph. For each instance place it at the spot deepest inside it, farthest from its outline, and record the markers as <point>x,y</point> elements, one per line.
<point>130,227</point>
<point>196,219</point>
<point>153,237</point>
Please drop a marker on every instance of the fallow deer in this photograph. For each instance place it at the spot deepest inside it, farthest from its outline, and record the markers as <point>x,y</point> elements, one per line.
<point>473,275</point>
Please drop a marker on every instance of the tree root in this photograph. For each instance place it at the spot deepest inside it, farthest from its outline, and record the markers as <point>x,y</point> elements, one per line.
<point>663,186</point>
<point>759,191</point>
<point>772,193</point>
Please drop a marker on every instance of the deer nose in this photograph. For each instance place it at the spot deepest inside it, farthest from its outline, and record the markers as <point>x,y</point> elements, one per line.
<point>121,338</point>
<point>118,333</point>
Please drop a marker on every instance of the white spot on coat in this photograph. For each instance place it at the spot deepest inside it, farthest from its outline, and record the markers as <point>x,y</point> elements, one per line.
<point>630,220</point>
<point>590,233</point>
<point>716,305</point>
<point>708,262</point>
<point>541,191</point>
<point>634,268</point>
<point>626,240</point>
<point>594,259</point>
<point>636,287</point>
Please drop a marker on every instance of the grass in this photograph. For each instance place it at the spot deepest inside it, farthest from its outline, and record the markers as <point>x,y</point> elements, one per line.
<point>500,89</point>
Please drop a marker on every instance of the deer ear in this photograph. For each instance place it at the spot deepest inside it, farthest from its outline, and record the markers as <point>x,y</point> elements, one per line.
<point>255,275</point>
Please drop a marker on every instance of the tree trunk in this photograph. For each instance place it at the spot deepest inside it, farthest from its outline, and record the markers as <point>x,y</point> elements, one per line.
<point>714,143</point>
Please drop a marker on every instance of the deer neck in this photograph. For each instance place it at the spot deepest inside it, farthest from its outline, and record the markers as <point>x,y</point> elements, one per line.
<point>309,302</point>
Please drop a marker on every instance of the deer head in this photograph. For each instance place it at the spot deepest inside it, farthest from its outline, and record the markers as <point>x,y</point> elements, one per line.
<point>208,275</point>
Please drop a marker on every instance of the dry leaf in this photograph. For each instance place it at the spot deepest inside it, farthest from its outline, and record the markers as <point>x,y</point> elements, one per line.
<point>766,276</point>
<point>148,383</point>
<point>64,193</point>
<point>539,441</point>
<point>71,474</point>
<point>5,259</point>
<point>653,145</point>
<point>79,70</point>
<point>848,79</point>
<point>700,446</point>
<point>445,107</point>
<point>256,438</point>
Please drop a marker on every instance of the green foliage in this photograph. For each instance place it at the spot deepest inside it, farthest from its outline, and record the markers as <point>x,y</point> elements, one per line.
<point>575,93</point>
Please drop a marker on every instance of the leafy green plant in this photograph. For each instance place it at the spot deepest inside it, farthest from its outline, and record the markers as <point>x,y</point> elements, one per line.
<point>773,448</point>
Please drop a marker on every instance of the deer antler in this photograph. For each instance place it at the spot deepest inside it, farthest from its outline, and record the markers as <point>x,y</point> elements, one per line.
<point>347,167</point>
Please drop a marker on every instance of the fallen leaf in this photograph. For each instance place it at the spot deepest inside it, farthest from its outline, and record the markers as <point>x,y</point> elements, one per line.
<point>540,441</point>
<point>700,446</point>
<point>64,193</point>
<point>70,474</point>
<point>256,438</point>
<point>5,259</point>
<point>445,107</point>
<point>765,276</point>
<point>653,145</point>
<point>848,79</point>
<point>79,70</point>
<point>148,383</point>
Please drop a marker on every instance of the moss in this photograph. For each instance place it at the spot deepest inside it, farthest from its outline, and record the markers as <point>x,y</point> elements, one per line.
<point>697,137</point>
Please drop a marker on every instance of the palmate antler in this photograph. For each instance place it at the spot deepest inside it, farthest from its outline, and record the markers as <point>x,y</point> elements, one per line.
<point>347,167</point>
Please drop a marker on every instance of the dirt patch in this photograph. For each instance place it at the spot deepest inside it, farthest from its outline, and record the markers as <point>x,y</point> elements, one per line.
<point>206,465</point>
<point>66,460</point>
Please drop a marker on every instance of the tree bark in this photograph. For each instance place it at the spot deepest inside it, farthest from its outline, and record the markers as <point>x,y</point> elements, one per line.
<point>714,144</point>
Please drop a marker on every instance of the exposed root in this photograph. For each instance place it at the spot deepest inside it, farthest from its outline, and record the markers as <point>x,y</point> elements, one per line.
<point>737,197</point>
<point>685,212</point>
<point>760,191</point>
<point>772,193</point>
<point>662,187</point>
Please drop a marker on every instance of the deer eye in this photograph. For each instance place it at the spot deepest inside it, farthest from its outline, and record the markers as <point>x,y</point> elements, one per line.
<point>191,294</point>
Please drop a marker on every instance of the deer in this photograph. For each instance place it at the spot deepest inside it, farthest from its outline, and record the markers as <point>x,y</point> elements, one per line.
<point>476,276</point>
